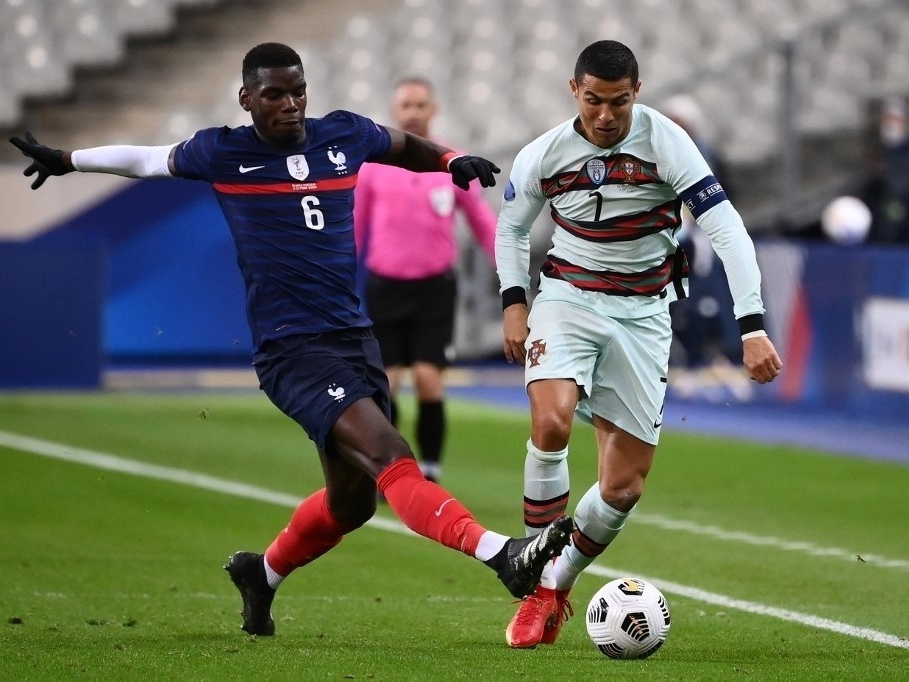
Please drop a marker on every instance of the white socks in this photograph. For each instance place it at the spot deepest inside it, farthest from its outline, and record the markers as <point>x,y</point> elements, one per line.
<point>491,543</point>
<point>545,478</point>
<point>545,491</point>
<point>598,523</point>
<point>274,579</point>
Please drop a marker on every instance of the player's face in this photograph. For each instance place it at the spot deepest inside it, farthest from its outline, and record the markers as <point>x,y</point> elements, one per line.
<point>413,108</point>
<point>604,108</point>
<point>277,103</point>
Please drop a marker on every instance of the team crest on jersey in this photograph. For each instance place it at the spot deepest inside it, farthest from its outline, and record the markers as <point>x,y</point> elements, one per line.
<point>630,168</point>
<point>339,159</point>
<point>596,171</point>
<point>297,166</point>
<point>536,351</point>
<point>442,200</point>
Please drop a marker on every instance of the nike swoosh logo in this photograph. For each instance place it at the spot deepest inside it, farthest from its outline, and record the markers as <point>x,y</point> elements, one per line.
<point>246,169</point>
<point>442,506</point>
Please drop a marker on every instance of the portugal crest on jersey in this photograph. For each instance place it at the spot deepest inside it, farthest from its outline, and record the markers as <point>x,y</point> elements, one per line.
<point>297,167</point>
<point>630,168</point>
<point>596,171</point>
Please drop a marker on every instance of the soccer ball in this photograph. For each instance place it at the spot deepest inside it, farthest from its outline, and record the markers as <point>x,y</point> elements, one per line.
<point>628,618</point>
<point>846,220</point>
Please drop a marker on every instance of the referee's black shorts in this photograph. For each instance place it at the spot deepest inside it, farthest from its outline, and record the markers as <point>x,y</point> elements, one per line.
<point>413,319</point>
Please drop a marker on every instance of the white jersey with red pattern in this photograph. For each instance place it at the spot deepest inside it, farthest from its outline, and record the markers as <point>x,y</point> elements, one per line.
<point>616,214</point>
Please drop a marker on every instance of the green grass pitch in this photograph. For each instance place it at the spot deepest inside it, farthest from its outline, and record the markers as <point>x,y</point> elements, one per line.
<point>778,563</point>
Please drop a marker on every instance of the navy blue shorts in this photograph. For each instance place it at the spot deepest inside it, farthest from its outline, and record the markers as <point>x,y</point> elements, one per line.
<point>314,379</point>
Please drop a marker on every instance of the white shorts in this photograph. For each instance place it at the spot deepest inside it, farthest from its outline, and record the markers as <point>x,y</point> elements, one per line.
<point>620,364</point>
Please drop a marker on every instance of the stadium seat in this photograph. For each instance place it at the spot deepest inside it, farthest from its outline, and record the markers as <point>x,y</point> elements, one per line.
<point>479,52</point>
<point>143,17</point>
<point>30,63</point>
<point>84,33</point>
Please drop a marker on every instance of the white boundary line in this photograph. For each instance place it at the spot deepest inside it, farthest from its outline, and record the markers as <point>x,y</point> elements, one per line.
<point>765,541</point>
<point>108,462</point>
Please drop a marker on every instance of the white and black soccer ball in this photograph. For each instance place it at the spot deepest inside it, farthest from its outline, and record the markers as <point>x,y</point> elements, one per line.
<point>628,618</point>
<point>847,220</point>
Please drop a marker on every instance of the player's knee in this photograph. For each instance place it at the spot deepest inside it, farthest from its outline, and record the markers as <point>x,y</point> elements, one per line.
<point>387,447</point>
<point>356,512</point>
<point>622,497</point>
<point>551,430</point>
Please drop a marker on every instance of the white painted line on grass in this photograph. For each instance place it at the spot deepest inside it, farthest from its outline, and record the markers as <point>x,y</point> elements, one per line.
<point>108,462</point>
<point>764,540</point>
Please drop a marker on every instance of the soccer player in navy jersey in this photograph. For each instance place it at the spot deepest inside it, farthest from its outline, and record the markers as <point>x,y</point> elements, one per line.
<point>285,185</point>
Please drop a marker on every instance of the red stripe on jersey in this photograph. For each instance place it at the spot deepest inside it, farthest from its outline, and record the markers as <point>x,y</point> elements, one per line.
<point>624,227</point>
<point>645,283</point>
<point>301,187</point>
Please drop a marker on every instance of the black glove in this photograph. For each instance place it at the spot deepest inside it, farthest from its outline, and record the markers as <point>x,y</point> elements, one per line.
<point>45,161</point>
<point>463,169</point>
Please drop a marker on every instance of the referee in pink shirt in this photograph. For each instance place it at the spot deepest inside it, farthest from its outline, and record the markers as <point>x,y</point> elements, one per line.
<point>406,223</point>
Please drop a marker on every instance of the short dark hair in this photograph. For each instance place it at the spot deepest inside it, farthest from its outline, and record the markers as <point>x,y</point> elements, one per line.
<point>268,56</point>
<point>608,60</point>
<point>416,80</point>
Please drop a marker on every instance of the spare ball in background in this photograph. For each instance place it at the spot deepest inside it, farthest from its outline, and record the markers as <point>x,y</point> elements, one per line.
<point>846,220</point>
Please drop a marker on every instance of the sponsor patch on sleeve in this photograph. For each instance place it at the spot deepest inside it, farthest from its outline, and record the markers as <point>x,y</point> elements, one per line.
<point>703,195</point>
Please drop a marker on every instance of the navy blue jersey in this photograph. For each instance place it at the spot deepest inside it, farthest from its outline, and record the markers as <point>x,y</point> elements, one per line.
<point>290,210</point>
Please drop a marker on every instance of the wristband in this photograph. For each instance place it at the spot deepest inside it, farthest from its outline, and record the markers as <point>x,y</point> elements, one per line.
<point>447,158</point>
<point>754,335</point>
<point>750,323</point>
<point>513,295</point>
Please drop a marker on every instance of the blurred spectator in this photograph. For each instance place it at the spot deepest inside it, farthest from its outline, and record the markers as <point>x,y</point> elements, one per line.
<point>704,324</point>
<point>887,194</point>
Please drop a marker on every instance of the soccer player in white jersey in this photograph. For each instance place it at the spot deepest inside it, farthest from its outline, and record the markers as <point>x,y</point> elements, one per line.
<point>597,340</point>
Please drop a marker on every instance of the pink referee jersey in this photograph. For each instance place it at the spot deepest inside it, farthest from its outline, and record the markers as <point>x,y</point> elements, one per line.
<point>406,221</point>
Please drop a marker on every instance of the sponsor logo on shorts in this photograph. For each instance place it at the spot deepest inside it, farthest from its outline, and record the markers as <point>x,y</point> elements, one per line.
<point>337,392</point>
<point>659,420</point>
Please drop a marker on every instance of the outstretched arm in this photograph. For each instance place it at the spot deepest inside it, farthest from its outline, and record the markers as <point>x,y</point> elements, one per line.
<point>127,160</point>
<point>424,156</point>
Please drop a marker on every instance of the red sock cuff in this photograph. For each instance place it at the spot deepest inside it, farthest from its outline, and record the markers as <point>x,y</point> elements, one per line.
<point>394,472</point>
